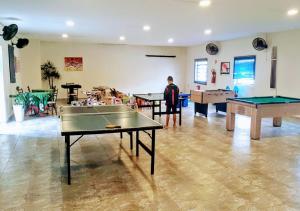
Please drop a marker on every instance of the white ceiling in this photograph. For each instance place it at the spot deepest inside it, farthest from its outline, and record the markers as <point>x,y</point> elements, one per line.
<point>104,21</point>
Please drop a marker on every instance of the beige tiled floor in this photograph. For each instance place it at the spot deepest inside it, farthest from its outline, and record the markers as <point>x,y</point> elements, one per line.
<point>199,166</point>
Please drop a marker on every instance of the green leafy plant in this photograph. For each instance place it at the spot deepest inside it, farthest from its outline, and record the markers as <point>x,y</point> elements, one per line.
<point>49,72</point>
<point>21,99</point>
<point>26,100</point>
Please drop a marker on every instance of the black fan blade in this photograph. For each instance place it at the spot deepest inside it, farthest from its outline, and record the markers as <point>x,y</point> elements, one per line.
<point>9,31</point>
<point>22,42</point>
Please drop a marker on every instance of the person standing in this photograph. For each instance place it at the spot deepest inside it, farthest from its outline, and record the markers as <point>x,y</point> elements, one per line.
<point>171,97</point>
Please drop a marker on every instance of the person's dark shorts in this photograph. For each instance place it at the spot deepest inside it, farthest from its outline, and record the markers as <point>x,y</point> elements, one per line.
<point>171,109</point>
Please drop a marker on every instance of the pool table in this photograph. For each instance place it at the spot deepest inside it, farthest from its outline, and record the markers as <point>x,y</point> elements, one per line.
<point>261,107</point>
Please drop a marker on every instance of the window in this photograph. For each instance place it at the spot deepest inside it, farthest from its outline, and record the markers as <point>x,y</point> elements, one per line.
<point>201,71</point>
<point>244,70</point>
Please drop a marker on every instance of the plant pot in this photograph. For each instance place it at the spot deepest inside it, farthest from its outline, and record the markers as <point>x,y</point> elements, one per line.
<point>19,113</point>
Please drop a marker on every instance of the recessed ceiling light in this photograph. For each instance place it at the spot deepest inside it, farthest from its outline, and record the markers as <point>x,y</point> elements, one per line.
<point>204,3</point>
<point>292,12</point>
<point>170,40</point>
<point>146,28</point>
<point>65,35</point>
<point>122,38</point>
<point>70,23</point>
<point>207,31</point>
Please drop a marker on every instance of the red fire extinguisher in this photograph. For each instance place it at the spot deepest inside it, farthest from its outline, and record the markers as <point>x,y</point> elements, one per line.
<point>213,76</point>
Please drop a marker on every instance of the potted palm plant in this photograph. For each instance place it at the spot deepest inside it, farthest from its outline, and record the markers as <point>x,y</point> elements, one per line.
<point>49,72</point>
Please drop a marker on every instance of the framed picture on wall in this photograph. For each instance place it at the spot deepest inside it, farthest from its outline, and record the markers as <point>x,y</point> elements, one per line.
<point>225,68</point>
<point>73,64</point>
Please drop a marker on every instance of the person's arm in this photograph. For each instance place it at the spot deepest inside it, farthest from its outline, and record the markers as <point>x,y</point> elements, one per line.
<point>177,91</point>
<point>165,93</point>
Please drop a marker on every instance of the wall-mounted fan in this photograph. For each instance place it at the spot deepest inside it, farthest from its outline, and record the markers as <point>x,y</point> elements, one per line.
<point>259,44</point>
<point>21,43</point>
<point>212,49</point>
<point>9,32</point>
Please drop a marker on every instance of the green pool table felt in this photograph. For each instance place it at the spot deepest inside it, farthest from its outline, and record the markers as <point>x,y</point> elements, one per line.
<point>267,100</point>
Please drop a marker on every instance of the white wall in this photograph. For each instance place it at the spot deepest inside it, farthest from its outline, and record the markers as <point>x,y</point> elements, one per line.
<point>123,67</point>
<point>288,63</point>
<point>127,69</point>
<point>288,69</point>
<point>2,89</point>
<point>30,65</point>
<point>6,88</point>
<point>228,50</point>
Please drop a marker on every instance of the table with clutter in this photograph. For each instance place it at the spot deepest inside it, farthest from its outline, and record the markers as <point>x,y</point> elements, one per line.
<point>104,95</point>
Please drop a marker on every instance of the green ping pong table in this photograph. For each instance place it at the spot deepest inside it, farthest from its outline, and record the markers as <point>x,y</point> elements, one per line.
<point>155,100</point>
<point>85,120</point>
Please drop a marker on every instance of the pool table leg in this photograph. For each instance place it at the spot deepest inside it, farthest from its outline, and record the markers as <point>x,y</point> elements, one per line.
<point>255,126</point>
<point>230,119</point>
<point>277,121</point>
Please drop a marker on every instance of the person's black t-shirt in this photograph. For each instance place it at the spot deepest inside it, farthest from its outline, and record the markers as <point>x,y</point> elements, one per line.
<point>171,95</point>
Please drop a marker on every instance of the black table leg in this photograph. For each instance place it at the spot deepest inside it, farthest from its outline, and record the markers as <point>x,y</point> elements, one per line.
<point>153,109</point>
<point>67,139</point>
<point>159,108</point>
<point>137,143</point>
<point>131,140</point>
<point>70,97</point>
<point>153,152</point>
<point>121,135</point>
<point>180,112</point>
